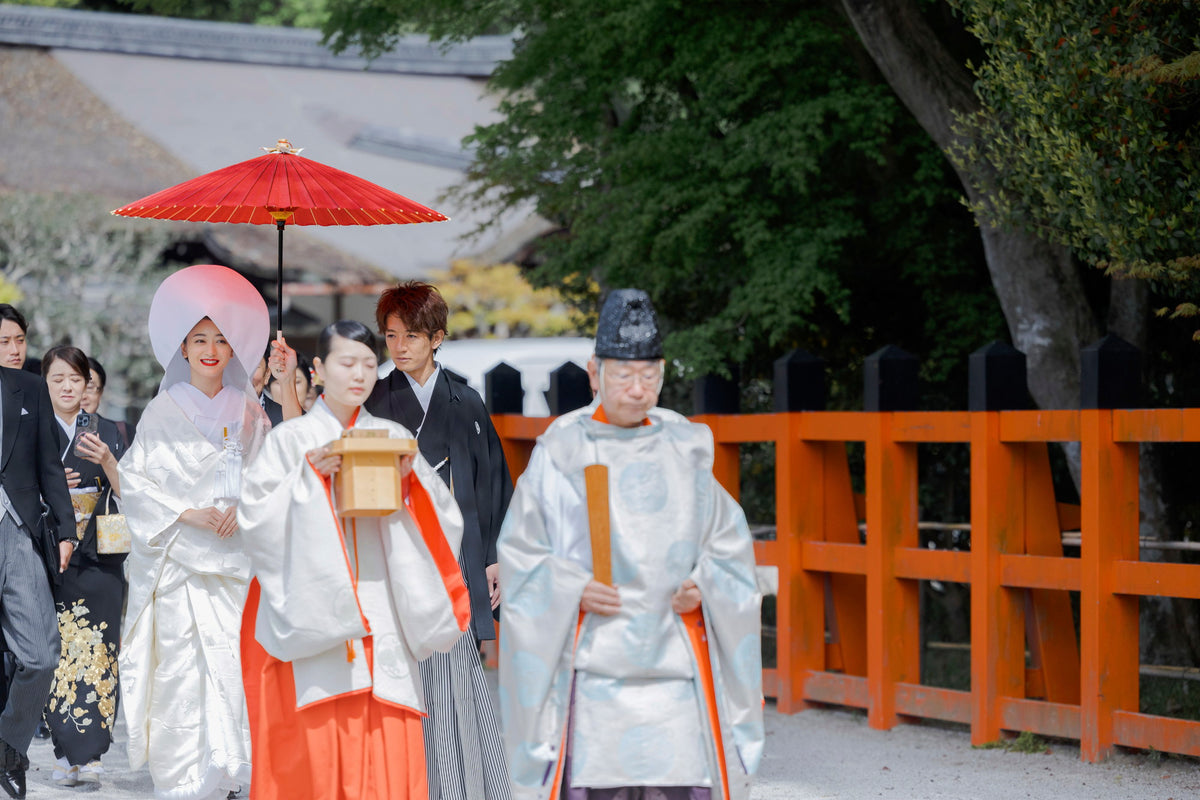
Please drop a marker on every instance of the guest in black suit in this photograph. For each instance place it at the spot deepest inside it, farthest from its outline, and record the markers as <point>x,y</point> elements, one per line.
<point>258,381</point>
<point>278,360</point>
<point>455,435</point>
<point>300,374</point>
<point>13,348</point>
<point>12,337</point>
<point>30,552</point>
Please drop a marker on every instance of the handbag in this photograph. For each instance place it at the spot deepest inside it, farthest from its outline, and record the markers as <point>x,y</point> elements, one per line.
<point>48,544</point>
<point>112,532</point>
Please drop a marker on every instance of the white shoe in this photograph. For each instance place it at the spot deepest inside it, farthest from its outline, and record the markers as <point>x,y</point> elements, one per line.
<point>65,774</point>
<point>89,775</point>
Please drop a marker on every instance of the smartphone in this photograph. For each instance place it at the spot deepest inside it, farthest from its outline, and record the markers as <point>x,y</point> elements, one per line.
<point>85,423</point>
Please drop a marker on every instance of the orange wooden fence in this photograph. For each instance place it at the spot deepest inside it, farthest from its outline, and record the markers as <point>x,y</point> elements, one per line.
<point>848,612</point>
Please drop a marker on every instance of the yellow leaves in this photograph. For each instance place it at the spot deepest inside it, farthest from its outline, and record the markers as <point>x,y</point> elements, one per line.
<point>9,292</point>
<point>1177,72</point>
<point>497,302</point>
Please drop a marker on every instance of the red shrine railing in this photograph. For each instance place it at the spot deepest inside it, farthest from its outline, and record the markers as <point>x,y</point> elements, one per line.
<point>848,611</point>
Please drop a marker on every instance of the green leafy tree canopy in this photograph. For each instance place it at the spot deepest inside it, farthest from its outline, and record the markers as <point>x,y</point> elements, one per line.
<point>1089,129</point>
<point>739,162</point>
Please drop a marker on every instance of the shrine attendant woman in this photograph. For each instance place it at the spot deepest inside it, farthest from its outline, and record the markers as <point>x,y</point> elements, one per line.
<point>342,609</point>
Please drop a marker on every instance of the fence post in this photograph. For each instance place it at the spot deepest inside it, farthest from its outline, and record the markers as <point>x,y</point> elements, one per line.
<point>893,618</point>
<point>799,382</point>
<point>713,395</point>
<point>799,516</point>
<point>502,393</point>
<point>502,390</point>
<point>569,389</point>
<point>1108,622</point>
<point>996,381</point>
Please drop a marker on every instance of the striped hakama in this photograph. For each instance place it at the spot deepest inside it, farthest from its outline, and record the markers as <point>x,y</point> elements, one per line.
<point>464,755</point>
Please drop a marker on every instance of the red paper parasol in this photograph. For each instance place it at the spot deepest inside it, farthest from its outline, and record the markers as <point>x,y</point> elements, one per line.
<point>281,188</point>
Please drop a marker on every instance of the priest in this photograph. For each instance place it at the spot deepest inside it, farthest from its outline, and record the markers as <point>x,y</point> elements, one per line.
<point>630,659</point>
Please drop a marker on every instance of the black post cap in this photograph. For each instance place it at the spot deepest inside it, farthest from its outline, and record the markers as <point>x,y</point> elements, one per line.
<point>1110,374</point>
<point>996,379</point>
<point>569,389</point>
<point>890,380</point>
<point>502,390</point>
<point>712,394</point>
<point>799,382</point>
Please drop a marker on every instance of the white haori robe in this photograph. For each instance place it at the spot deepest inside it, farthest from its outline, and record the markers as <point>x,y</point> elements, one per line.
<point>327,582</point>
<point>640,714</point>
<point>180,672</point>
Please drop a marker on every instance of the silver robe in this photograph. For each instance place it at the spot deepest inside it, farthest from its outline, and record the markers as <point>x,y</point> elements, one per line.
<point>181,681</point>
<point>640,719</point>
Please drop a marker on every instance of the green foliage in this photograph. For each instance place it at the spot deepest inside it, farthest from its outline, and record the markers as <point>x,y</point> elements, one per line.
<point>1025,742</point>
<point>1088,130</point>
<point>47,3</point>
<point>86,278</point>
<point>741,162</point>
<point>286,13</point>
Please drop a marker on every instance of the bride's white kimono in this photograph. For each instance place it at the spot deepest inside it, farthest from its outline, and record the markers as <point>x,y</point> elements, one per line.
<point>181,682</point>
<point>652,700</point>
<point>181,687</point>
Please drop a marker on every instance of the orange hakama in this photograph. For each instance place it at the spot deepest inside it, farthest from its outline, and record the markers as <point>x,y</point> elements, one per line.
<point>349,746</point>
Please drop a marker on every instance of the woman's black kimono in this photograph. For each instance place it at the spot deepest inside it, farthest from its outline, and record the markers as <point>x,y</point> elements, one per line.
<point>82,707</point>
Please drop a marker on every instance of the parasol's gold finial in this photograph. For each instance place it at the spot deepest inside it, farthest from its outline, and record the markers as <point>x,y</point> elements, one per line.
<point>284,146</point>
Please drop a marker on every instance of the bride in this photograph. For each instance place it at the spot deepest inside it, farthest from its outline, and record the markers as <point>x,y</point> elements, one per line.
<point>180,672</point>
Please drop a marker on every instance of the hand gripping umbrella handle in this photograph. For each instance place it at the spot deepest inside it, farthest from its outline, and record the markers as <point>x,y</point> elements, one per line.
<point>595,478</point>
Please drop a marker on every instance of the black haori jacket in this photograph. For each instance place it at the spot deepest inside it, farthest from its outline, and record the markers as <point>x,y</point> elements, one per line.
<point>458,428</point>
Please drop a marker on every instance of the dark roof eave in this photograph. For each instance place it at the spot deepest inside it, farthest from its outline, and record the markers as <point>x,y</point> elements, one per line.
<point>135,34</point>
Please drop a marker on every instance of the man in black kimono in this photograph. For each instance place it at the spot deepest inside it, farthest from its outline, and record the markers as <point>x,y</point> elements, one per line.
<point>454,431</point>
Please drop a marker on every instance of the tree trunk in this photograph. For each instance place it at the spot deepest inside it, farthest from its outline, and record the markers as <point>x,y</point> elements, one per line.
<point>1037,283</point>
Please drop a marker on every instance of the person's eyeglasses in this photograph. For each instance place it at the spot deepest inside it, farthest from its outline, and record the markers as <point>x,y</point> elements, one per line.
<point>623,379</point>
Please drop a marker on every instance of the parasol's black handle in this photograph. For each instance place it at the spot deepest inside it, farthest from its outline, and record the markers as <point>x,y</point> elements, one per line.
<point>279,223</point>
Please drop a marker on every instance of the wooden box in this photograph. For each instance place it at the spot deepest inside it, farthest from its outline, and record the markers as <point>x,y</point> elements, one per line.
<point>368,484</point>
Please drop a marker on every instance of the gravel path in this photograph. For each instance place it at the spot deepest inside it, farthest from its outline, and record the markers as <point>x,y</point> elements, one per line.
<point>833,754</point>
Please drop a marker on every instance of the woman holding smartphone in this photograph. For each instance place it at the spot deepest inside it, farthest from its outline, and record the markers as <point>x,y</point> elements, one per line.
<point>82,707</point>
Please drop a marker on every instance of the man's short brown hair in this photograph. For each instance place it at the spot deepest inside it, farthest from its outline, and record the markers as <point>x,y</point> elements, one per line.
<point>419,305</point>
